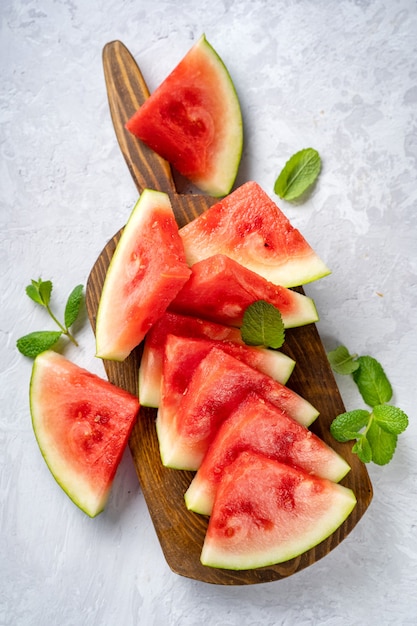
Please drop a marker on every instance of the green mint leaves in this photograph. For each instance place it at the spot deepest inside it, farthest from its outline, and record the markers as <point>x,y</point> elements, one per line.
<point>390,419</point>
<point>40,292</point>
<point>372,382</point>
<point>34,343</point>
<point>347,425</point>
<point>298,174</point>
<point>342,361</point>
<point>376,431</point>
<point>263,325</point>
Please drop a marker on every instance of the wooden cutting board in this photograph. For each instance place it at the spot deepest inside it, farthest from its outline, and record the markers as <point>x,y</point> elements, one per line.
<point>181,532</point>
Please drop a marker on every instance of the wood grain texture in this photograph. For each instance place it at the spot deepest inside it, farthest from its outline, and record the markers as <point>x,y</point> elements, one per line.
<point>126,92</point>
<point>181,532</point>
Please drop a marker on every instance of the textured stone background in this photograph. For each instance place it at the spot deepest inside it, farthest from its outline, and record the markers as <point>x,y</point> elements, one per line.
<point>339,76</point>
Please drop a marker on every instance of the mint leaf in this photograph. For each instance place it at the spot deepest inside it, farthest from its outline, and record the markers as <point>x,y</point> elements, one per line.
<point>73,305</point>
<point>33,344</point>
<point>262,325</point>
<point>383,425</point>
<point>45,290</point>
<point>390,418</point>
<point>40,292</point>
<point>372,382</point>
<point>33,293</point>
<point>382,443</point>
<point>298,174</point>
<point>363,449</point>
<point>341,361</point>
<point>346,426</point>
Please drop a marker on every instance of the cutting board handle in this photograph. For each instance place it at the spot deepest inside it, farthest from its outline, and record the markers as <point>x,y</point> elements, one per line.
<point>126,92</point>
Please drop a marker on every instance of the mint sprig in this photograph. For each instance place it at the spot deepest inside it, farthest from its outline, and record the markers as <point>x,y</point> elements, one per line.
<point>298,174</point>
<point>40,292</point>
<point>342,361</point>
<point>375,431</point>
<point>372,381</point>
<point>262,325</point>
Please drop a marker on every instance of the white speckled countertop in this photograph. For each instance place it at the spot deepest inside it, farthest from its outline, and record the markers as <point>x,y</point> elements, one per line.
<point>339,76</point>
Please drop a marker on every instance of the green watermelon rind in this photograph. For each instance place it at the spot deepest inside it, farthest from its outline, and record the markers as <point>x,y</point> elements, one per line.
<point>168,441</point>
<point>227,163</point>
<point>340,503</point>
<point>307,312</point>
<point>77,489</point>
<point>341,509</point>
<point>205,72</point>
<point>81,492</point>
<point>297,273</point>
<point>108,343</point>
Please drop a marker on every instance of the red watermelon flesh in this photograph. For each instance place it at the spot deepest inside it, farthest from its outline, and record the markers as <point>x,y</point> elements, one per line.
<point>266,512</point>
<point>170,323</point>
<point>249,227</point>
<point>258,426</point>
<point>82,424</point>
<point>272,362</point>
<point>146,272</point>
<point>220,289</point>
<point>182,356</point>
<point>190,414</point>
<point>193,120</point>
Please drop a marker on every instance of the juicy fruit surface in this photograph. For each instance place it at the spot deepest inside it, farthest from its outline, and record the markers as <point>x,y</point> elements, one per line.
<point>249,228</point>
<point>82,424</point>
<point>220,289</point>
<point>181,358</point>
<point>150,371</point>
<point>266,512</point>
<point>146,272</point>
<point>196,338</point>
<point>188,421</point>
<point>193,120</point>
<point>259,426</point>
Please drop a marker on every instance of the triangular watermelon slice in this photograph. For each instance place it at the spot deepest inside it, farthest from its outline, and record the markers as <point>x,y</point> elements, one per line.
<point>273,362</point>
<point>82,424</point>
<point>259,426</point>
<point>266,512</point>
<point>193,120</point>
<point>249,227</point>
<point>150,371</point>
<point>220,289</point>
<point>182,355</point>
<point>190,415</point>
<point>146,272</point>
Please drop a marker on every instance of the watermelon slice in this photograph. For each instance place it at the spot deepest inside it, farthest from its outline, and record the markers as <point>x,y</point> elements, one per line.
<point>191,412</point>
<point>266,512</point>
<point>183,354</point>
<point>150,371</point>
<point>220,289</point>
<point>249,227</point>
<point>275,363</point>
<point>193,120</point>
<point>146,272</point>
<point>258,426</point>
<point>82,424</point>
